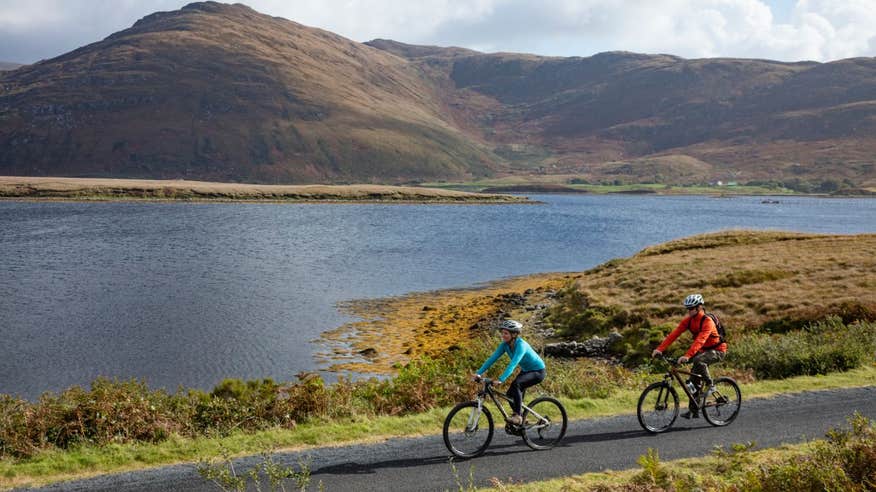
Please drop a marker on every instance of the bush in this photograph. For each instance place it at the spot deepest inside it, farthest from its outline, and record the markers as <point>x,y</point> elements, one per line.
<point>821,348</point>
<point>587,378</point>
<point>846,461</point>
<point>637,343</point>
<point>574,316</point>
<point>110,412</point>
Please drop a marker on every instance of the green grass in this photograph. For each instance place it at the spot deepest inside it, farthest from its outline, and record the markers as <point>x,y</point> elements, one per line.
<point>55,465</point>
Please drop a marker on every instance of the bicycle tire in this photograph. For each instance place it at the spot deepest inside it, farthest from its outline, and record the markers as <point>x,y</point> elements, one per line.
<point>656,411</point>
<point>461,441</point>
<point>721,407</point>
<point>546,433</point>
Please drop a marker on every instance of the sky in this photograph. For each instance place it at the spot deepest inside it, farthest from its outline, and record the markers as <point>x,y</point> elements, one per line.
<point>786,30</point>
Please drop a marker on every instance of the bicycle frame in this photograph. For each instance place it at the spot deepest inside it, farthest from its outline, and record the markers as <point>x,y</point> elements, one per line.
<point>488,391</point>
<point>676,373</point>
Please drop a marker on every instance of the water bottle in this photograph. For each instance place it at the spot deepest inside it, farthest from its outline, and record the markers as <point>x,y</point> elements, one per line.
<point>691,387</point>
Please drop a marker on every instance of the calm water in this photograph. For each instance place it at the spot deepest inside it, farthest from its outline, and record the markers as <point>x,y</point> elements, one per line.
<point>187,294</point>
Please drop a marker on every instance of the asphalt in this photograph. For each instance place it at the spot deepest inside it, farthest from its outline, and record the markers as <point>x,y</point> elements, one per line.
<point>615,443</point>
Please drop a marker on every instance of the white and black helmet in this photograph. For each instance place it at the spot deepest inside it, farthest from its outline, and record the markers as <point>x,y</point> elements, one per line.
<point>511,325</point>
<point>693,301</point>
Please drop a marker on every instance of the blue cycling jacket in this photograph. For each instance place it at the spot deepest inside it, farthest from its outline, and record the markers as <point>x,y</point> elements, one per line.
<point>523,355</point>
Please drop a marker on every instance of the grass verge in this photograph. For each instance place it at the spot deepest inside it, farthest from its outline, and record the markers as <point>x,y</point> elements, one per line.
<point>844,460</point>
<point>84,461</point>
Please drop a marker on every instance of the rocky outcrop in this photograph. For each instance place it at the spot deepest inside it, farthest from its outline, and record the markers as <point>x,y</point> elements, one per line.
<point>594,347</point>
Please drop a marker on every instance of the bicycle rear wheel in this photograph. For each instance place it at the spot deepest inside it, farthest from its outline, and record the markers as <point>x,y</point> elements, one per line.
<point>544,423</point>
<point>721,405</point>
<point>468,430</point>
<point>658,407</point>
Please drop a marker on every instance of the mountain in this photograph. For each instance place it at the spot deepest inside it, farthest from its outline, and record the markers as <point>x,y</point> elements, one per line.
<point>221,92</point>
<point>664,118</point>
<point>8,66</point>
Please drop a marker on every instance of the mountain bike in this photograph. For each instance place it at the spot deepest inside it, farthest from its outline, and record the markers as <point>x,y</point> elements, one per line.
<point>468,428</point>
<point>719,401</point>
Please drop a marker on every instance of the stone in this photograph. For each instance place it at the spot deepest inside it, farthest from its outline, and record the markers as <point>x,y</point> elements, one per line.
<point>594,347</point>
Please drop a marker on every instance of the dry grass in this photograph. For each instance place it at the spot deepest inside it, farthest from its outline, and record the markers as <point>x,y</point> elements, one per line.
<point>749,277</point>
<point>92,188</point>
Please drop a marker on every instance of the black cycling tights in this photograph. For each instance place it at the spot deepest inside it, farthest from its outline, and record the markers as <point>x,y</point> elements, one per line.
<point>518,387</point>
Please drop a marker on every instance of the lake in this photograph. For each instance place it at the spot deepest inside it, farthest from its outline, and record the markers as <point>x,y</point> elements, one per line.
<point>186,294</point>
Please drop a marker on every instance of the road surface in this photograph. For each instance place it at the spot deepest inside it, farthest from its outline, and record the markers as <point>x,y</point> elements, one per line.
<point>615,443</point>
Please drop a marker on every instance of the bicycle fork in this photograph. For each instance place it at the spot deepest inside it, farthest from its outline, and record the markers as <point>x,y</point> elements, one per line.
<point>662,402</point>
<point>474,417</point>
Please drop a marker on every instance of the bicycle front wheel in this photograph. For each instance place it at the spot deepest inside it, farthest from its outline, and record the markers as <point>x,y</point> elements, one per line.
<point>544,423</point>
<point>468,430</point>
<point>658,407</point>
<point>721,405</point>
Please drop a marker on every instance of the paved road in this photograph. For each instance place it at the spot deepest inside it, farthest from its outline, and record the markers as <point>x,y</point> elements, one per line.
<point>591,445</point>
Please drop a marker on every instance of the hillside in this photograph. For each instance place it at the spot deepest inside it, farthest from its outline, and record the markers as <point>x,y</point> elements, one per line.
<point>662,118</point>
<point>8,66</point>
<point>223,93</point>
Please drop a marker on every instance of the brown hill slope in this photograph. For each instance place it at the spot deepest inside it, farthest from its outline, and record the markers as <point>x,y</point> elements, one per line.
<point>221,92</point>
<point>749,119</point>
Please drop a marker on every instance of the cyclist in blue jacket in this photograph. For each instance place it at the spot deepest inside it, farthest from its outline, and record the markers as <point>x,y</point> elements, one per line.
<point>531,366</point>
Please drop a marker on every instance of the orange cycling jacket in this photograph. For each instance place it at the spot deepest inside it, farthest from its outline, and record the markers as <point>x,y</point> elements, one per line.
<point>707,337</point>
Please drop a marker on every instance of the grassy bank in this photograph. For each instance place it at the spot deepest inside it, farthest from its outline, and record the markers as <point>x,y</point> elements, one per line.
<point>845,460</point>
<point>88,460</point>
<point>36,188</point>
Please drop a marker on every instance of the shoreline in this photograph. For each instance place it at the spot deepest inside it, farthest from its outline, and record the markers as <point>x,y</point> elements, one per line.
<point>394,330</point>
<point>15,188</point>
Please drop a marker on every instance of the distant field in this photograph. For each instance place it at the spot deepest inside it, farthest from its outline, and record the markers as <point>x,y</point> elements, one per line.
<point>137,189</point>
<point>568,181</point>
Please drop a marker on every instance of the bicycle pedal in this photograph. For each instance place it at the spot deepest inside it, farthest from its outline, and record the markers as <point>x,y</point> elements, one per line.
<point>513,430</point>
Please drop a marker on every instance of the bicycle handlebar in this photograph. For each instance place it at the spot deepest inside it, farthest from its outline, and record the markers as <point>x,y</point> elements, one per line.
<point>671,362</point>
<point>486,381</point>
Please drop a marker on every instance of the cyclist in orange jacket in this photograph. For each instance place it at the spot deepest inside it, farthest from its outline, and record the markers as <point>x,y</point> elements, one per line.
<point>707,347</point>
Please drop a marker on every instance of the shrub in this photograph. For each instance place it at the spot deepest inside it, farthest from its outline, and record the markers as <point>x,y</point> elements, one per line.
<point>587,378</point>
<point>637,343</point>
<point>846,461</point>
<point>822,347</point>
<point>574,316</point>
<point>111,411</point>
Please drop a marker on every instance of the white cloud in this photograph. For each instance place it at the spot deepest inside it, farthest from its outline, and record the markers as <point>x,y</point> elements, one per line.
<point>813,29</point>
